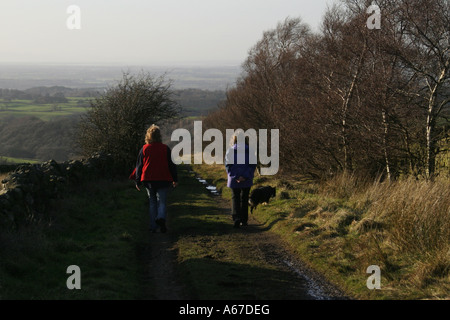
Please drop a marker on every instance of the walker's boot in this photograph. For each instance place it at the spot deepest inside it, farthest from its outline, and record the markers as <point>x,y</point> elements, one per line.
<point>162,224</point>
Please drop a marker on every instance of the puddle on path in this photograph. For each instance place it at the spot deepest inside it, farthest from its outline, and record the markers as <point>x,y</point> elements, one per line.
<point>314,288</point>
<point>212,189</point>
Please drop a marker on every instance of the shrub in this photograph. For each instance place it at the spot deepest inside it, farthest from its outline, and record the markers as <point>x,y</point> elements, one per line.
<point>117,121</point>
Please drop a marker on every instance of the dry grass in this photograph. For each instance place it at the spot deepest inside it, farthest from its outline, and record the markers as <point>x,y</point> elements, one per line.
<point>403,226</point>
<point>417,213</point>
<point>410,222</point>
<point>344,185</point>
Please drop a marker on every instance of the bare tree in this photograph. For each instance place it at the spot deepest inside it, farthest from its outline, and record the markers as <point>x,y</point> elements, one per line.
<point>350,98</point>
<point>425,51</point>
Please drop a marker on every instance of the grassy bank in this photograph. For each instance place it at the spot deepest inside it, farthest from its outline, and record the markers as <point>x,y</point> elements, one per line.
<point>100,228</point>
<point>346,225</point>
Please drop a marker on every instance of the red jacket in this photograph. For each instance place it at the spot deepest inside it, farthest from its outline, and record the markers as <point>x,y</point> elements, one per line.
<point>154,163</point>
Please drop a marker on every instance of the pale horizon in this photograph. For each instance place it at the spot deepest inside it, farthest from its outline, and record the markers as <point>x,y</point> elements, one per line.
<point>151,33</point>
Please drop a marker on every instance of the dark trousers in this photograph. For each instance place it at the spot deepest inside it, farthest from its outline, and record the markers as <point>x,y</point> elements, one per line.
<point>239,204</point>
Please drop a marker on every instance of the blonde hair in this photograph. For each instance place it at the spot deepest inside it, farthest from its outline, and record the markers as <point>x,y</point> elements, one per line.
<point>153,134</point>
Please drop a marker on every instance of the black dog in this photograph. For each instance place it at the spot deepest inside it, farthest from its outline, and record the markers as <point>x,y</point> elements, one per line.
<point>261,195</point>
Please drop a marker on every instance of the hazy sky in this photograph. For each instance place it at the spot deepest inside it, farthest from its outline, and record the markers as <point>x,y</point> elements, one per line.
<point>144,32</point>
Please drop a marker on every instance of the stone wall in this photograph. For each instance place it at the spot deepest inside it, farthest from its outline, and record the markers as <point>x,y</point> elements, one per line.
<point>28,191</point>
<point>4,168</point>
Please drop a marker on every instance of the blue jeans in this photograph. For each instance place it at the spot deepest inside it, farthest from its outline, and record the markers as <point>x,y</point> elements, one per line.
<point>158,204</point>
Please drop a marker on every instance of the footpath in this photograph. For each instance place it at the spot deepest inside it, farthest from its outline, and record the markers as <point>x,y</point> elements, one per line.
<point>203,257</point>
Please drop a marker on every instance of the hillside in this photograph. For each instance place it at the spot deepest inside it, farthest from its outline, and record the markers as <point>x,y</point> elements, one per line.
<point>39,123</point>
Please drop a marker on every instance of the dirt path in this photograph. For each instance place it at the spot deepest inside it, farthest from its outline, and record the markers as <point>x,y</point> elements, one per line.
<point>310,284</point>
<point>161,267</point>
<point>266,247</point>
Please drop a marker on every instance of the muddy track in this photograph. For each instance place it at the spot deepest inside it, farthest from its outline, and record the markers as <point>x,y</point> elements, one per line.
<point>311,285</point>
<point>303,284</point>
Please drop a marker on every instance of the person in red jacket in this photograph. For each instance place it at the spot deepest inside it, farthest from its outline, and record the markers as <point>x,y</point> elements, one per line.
<point>157,172</point>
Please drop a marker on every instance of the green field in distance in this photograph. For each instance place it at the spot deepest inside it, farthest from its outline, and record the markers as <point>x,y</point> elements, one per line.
<point>46,112</point>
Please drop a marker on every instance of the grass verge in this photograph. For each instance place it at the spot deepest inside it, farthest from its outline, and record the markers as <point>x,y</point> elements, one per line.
<point>99,227</point>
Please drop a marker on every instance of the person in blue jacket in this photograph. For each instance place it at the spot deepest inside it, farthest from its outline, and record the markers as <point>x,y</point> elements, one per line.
<point>240,173</point>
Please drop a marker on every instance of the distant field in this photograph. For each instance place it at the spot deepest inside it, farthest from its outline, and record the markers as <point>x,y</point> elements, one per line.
<point>46,112</point>
<point>17,160</point>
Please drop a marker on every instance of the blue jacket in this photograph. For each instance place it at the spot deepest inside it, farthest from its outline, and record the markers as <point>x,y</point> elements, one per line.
<point>236,170</point>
